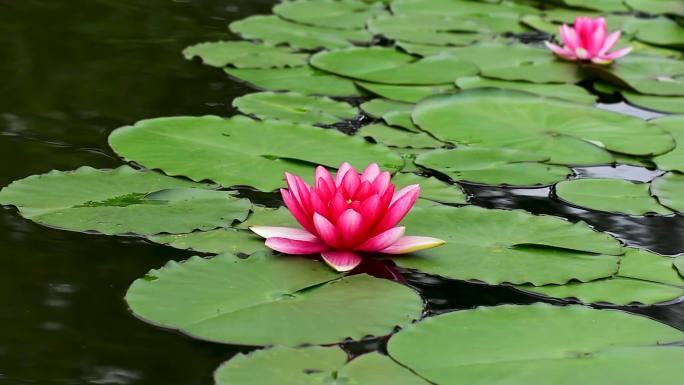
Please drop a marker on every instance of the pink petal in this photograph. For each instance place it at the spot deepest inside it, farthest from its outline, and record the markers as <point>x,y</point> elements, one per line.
<point>396,212</point>
<point>300,191</point>
<point>596,41</point>
<point>325,184</point>
<point>284,232</point>
<point>318,205</point>
<point>326,230</point>
<point>410,244</point>
<point>371,172</point>
<point>364,190</point>
<point>568,36</point>
<point>562,52</point>
<point>349,227</point>
<point>609,42</point>
<point>341,260</point>
<point>410,189</point>
<point>341,172</point>
<point>296,210</point>
<point>617,54</point>
<point>291,246</point>
<point>350,183</point>
<point>381,182</point>
<point>383,240</point>
<point>370,209</point>
<point>336,206</point>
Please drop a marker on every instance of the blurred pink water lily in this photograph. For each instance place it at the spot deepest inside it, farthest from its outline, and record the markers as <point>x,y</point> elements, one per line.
<point>588,40</point>
<point>345,217</point>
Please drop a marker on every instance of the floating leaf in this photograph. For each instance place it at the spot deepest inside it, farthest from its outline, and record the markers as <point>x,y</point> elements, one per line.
<point>432,189</point>
<point>569,92</point>
<point>611,195</point>
<point>122,201</point>
<point>393,113</point>
<point>345,14</point>
<point>270,300</point>
<point>496,166</point>
<point>243,54</point>
<point>658,31</point>
<point>668,189</point>
<point>496,246</point>
<point>314,365</point>
<point>264,216</point>
<point>242,151</point>
<point>397,137</point>
<point>674,7</point>
<point>643,278</point>
<point>679,265</point>
<point>294,107</point>
<point>645,74</point>
<point>459,7</point>
<point>223,240</point>
<point>599,5</point>
<point>567,133</point>
<point>274,30</point>
<point>673,160</point>
<point>388,65</point>
<point>305,80</point>
<point>516,345</point>
<point>406,94</point>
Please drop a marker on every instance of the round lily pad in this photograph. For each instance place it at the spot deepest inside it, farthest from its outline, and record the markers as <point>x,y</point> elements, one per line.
<point>669,190</point>
<point>345,14</point>
<point>599,5</point>
<point>668,104</point>
<point>398,137</point>
<point>431,188</point>
<point>223,240</point>
<point>270,300</point>
<point>679,265</point>
<point>295,107</point>
<point>495,166</point>
<point>651,75</point>
<point>673,160</point>
<point>567,133</point>
<point>242,151</point>
<point>516,345</point>
<point>388,65</point>
<point>658,31</point>
<point>673,7</point>
<point>243,54</point>
<point>305,80</point>
<point>459,7</point>
<point>497,246</point>
<point>643,278</point>
<point>273,30</point>
<point>569,92</point>
<point>122,201</point>
<point>611,195</point>
<point>406,94</point>
<point>393,113</point>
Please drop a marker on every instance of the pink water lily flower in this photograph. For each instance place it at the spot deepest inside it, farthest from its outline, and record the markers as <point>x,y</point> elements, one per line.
<point>345,217</point>
<point>588,40</point>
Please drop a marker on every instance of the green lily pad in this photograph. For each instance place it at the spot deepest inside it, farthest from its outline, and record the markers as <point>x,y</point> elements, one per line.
<point>345,14</point>
<point>645,74</point>
<point>644,278</point>
<point>658,31</point>
<point>406,94</point>
<point>122,201</point>
<point>566,133</point>
<point>243,54</point>
<point>599,5</point>
<point>265,216</point>
<point>673,7</point>
<point>516,345</point>
<point>273,30</point>
<point>610,195</point>
<point>397,137</point>
<point>668,189</point>
<point>673,160</point>
<point>388,65</point>
<point>495,166</point>
<point>569,92</point>
<point>242,151</point>
<point>679,265</point>
<point>223,240</point>
<point>393,113</point>
<point>432,189</point>
<point>270,300</point>
<point>522,62</point>
<point>305,80</point>
<point>314,365</point>
<point>497,246</point>
<point>459,7</point>
<point>669,104</point>
<point>294,107</point>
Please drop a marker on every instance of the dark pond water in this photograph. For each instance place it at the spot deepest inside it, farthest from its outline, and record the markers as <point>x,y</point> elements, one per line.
<point>72,71</point>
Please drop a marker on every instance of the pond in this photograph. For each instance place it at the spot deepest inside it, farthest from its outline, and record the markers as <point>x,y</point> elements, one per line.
<point>72,73</point>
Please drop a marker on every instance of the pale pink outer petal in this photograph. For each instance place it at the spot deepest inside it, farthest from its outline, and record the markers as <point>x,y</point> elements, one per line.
<point>410,244</point>
<point>371,172</point>
<point>569,37</point>
<point>617,54</point>
<point>341,260</point>
<point>562,52</point>
<point>609,42</point>
<point>382,240</point>
<point>326,230</point>
<point>284,232</point>
<point>291,246</point>
<point>410,189</point>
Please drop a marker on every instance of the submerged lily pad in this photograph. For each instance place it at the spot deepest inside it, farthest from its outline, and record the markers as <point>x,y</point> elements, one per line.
<point>669,189</point>
<point>273,30</point>
<point>643,278</point>
<point>398,137</point>
<point>569,92</point>
<point>522,345</point>
<point>345,14</point>
<point>270,300</point>
<point>243,54</point>
<point>294,107</point>
<point>432,189</point>
<point>673,160</point>
<point>122,201</point>
<point>242,151</point>
<point>406,94</point>
<point>567,133</point>
<point>495,166</point>
<point>388,65</point>
<point>314,365</point>
<point>497,246</point>
<point>393,113</point>
<point>305,80</point>
<point>611,195</point>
